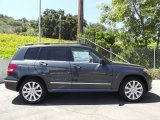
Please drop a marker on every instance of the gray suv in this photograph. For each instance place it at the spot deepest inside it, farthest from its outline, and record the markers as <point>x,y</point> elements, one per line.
<point>36,70</point>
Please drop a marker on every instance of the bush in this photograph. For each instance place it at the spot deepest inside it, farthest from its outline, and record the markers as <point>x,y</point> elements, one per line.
<point>141,56</point>
<point>155,74</point>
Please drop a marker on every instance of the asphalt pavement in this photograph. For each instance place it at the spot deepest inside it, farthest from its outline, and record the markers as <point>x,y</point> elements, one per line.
<point>80,106</point>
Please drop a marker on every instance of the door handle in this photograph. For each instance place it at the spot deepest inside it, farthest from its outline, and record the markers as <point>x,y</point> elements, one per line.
<point>43,64</point>
<point>77,66</point>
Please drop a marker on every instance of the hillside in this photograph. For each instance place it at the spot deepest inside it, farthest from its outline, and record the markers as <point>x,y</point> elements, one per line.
<point>10,25</point>
<point>9,43</point>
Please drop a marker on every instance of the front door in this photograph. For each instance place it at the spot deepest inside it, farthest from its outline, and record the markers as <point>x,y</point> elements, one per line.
<point>87,72</point>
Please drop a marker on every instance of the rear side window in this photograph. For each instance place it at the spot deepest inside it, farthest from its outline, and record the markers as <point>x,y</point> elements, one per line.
<point>32,53</point>
<point>43,54</point>
<point>20,54</point>
<point>57,53</point>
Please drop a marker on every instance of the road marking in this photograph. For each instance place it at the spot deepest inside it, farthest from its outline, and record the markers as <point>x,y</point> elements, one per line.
<point>52,107</point>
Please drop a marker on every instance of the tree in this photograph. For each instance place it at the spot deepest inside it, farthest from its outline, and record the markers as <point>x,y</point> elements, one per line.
<point>100,34</point>
<point>91,30</point>
<point>69,27</point>
<point>24,20</point>
<point>51,21</point>
<point>138,16</point>
<point>106,39</point>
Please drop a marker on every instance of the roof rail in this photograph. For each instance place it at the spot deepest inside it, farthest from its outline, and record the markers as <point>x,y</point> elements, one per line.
<point>30,44</point>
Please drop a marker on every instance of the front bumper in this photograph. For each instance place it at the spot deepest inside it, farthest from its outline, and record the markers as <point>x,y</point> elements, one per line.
<point>149,83</point>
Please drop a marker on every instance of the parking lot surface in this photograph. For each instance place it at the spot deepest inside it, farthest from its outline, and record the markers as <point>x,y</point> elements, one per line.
<point>80,106</point>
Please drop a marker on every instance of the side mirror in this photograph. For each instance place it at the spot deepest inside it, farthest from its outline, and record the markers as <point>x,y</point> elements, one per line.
<point>102,62</point>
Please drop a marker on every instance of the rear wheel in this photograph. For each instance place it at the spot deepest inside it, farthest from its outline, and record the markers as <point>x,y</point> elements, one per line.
<point>32,91</point>
<point>132,89</point>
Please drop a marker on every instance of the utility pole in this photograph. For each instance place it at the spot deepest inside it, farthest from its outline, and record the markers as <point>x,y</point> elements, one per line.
<point>80,17</point>
<point>39,25</point>
<point>60,24</point>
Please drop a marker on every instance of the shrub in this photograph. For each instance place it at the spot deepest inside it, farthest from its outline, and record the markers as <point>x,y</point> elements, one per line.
<point>155,74</point>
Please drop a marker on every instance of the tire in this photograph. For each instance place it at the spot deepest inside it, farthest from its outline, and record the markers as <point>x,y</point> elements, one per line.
<point>32,91</point>
<point>132,89</point>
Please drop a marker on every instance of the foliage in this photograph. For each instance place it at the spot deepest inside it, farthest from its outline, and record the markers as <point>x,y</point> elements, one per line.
<point>141,56</point>
<point>51,24</point>
<point>9,43</point>
<point>91,30</point>
<point>99,34</point>
<point>139,17</point>
<point>106,39</point>
<point>21,27</point>
<point>133,53</point>
<point>155,74</point>
<point>9,25</point>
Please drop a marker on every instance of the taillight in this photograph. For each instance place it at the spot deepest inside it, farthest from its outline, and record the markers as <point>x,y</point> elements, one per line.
<point>11,69</point>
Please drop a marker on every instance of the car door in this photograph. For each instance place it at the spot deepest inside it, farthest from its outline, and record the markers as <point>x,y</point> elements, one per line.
<point>54,67</point>
<point>87,72</point>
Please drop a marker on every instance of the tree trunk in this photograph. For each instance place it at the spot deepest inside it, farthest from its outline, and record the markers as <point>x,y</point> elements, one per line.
<point>80,17</point>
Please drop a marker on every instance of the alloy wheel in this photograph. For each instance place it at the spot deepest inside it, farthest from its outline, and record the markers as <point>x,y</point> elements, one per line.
<point>32,91</point>
<point>133,90</point>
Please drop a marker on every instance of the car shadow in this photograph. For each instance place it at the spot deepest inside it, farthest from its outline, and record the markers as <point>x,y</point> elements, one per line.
<point>88,99</point>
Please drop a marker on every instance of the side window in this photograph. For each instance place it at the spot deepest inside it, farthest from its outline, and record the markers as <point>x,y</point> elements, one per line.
<point>84,55</point>
<point>43,54</point>
<point>57,53</point>
<point>32,53</point>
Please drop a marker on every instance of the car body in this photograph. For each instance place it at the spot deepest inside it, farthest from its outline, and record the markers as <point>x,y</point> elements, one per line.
<point>72,68</point>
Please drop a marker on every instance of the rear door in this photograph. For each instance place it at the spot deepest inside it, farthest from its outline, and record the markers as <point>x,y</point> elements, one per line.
<point>54,66</point>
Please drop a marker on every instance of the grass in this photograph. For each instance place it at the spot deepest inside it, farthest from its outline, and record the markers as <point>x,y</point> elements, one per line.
<point>9,43</point>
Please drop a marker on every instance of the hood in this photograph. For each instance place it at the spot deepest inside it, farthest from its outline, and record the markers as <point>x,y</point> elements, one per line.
<point>126,65</point>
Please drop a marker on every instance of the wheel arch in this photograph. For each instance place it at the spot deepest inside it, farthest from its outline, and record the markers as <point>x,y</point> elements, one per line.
<point>29,77</point>
<point>142,78</point>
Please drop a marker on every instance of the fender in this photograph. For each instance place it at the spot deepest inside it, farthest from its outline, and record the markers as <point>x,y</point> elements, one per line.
<point>120,76</point>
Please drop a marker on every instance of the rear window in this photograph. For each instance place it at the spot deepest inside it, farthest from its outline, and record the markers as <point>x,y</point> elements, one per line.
<point>32,53</point>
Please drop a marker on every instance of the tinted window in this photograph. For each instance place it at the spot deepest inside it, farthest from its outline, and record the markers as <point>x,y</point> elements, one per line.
<point>84,55</point>
<point>20,54</point>
<point>32,53</point>
<point>43,54</point>
<point>57,53</point>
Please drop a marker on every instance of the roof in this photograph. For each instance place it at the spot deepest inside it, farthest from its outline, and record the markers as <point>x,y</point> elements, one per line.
<point>55,44</point>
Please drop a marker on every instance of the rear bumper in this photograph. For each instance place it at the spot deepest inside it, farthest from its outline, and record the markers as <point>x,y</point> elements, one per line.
<point>11,84</point>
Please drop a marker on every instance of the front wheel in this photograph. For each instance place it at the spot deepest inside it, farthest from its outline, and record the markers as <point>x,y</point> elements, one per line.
<point>132,89</point>
<point>32,91</point>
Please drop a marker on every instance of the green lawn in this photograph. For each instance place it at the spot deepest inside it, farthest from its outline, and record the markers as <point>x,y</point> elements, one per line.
<point>9,43</point>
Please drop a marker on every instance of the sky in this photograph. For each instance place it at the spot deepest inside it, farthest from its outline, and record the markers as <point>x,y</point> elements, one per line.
<point>30,8</point>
